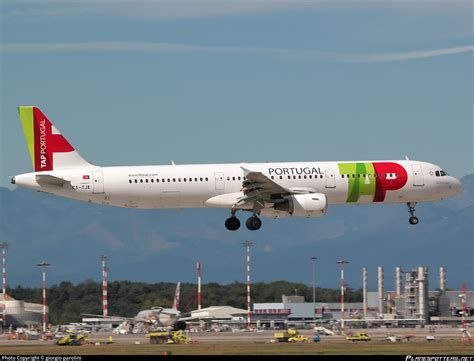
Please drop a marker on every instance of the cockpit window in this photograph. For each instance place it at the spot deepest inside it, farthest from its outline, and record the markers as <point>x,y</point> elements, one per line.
<point>437,173</point>
<point>443,173</point>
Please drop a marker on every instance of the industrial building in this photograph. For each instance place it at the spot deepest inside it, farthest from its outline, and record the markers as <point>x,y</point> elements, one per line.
<point>294,310</point>
<point>413,300</point>
<point>410,304</point>
<point>21,313</point>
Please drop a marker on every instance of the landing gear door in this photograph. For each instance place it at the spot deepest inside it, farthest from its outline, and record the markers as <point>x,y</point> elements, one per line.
<point>98,182</point>
<point>418,179</point>
<point>330,178</point>
<point>219,177</point>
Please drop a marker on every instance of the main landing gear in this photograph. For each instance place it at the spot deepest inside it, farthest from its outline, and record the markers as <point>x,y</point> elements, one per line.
<point>232,223</point>
<point>253,223</point>
<point>411,209</point>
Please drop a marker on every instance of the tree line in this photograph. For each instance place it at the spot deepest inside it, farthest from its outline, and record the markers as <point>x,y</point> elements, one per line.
<point>66,301</point>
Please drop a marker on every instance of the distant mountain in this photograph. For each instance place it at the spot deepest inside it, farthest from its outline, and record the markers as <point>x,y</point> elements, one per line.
<point>164,245</point>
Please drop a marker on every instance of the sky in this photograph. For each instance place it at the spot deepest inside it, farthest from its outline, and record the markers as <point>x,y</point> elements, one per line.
<point>217,81</point>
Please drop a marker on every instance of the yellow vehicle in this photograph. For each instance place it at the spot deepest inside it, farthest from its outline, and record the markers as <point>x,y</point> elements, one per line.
<point>73,339</point>
<point>168,337</point>
<point>298,338</point>
<point>359,337</point>
<point>290,335</point>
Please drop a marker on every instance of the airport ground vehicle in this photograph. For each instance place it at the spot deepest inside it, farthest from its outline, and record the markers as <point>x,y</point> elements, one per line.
<point>358,337</point>
<point>73,339</point>
<point>290,335</point>
<point>393,338</point>
<point>169,337</point>
<point>298,338</point>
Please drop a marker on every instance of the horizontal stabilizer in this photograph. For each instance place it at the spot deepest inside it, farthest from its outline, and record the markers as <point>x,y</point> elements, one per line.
<point>50,179</point>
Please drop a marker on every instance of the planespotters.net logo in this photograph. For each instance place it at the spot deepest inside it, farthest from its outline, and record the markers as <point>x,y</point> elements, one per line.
<point>439,358</point>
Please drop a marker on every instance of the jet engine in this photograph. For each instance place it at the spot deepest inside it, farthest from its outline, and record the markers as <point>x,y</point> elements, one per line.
<point>304,205</point>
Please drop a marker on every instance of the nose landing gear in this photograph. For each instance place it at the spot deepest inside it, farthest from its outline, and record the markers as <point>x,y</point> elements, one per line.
<point>411,209</point>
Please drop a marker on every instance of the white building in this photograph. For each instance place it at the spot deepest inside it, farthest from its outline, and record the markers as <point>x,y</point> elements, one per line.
<point>21,313</point>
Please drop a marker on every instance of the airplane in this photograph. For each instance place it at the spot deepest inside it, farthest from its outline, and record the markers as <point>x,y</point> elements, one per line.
<point>299,189</point>
<point>164,317</point>
<point>157,316</point>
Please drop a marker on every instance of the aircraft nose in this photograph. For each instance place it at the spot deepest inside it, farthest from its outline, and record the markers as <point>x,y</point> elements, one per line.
<point>458,186</point>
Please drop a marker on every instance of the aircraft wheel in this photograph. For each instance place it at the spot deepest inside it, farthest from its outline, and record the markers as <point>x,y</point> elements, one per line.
<point>413,220</point>
<point>232,223</point>
<point>253,223</point>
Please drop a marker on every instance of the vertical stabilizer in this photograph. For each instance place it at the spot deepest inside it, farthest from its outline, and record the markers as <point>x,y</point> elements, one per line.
<point>49,150</point>
<point>177,296</point>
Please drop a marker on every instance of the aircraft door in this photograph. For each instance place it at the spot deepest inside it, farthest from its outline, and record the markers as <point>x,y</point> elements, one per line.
<point>418,179</point>
<point>330,178</point>
<point>98,182</point>
<point>219,177</point>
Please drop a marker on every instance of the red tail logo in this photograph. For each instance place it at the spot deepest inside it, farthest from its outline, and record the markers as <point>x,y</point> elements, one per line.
<point>47,143</point>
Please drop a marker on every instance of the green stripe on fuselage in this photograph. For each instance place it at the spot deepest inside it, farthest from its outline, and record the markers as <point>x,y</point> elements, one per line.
<point>26,116</point>
<point>362,184</point>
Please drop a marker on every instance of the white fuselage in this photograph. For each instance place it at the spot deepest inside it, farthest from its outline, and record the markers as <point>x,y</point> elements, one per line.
<point>206,185</point>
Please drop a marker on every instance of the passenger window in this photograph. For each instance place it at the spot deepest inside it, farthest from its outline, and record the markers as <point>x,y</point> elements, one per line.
<point>146,180</point>
<point>129,181</point>
<point>228,178</point>
<point>289,177</point>
<point>299,177</point>
<point>273,177</point>
<point>195,179</point>
<point>233,178</point>
<point>310,176</point>
<point>179,179</point>
<point>184,179</point>
<point>141,180</point>
<point>294,177</point>
<point>304,177</point>
<point>136,181</point>
<point>152,180</point>
<point>200,179</point>
<point>174,179</point>
<point>190,179</point>
<point>281,177</point>
<point>239,178</point>
<point>169,180</point>
<point>353,176</point>
<point>207,179</point>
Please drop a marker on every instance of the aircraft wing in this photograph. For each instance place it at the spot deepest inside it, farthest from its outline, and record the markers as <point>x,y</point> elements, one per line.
<point>258,187</point>
<point>102,316</point>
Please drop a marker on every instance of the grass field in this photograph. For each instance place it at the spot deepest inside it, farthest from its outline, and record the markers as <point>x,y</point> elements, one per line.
<point>438,348</point>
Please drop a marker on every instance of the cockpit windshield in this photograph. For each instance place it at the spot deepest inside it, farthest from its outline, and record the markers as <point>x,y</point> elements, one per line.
<point>441,173</point>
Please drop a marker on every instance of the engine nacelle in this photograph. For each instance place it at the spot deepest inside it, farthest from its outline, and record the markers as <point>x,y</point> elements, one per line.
<point>304,205</point>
